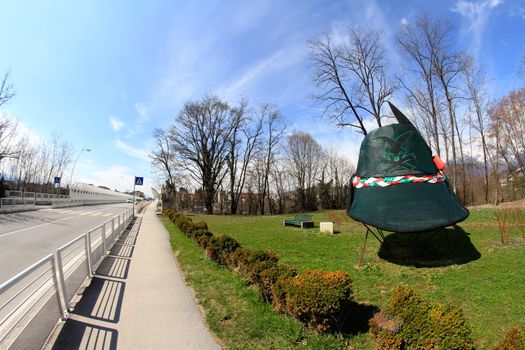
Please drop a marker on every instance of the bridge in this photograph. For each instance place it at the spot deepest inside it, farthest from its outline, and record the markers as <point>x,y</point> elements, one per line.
<point>47,254</point>
<point>79,194</point>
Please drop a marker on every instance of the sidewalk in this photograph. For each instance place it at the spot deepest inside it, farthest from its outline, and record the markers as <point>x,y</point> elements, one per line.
<point>137,299</point>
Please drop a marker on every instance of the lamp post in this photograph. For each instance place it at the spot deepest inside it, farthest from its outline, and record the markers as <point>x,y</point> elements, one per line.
<point>74,165</point>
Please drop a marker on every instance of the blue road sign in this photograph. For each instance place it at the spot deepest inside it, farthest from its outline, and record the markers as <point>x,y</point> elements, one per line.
<point>57,180</point>
<point>139,181</point>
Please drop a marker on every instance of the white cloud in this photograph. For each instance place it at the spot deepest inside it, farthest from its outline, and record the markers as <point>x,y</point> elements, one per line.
<point>143,113</point>
<point>116,124</point>
<point>252,77</point>
<point>404,22</point>
<point>237,87</point>
<point>132,151</point>
<point>476,14</point>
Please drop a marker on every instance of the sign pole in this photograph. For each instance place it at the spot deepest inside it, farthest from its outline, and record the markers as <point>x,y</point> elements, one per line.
<point>134,184</point>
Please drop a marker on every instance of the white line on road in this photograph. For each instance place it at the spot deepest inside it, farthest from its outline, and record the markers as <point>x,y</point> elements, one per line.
<point>108,214</point>
<point>96,214</point>
<point>65,211</point>
<point>32,227</point>
<point>86,213</point>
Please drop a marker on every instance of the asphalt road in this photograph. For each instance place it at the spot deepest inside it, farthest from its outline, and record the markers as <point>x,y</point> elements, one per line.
<point>27,237</point>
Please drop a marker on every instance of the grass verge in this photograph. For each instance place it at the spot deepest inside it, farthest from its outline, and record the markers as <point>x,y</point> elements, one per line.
<point>472,270</point>
<point>234,312</point>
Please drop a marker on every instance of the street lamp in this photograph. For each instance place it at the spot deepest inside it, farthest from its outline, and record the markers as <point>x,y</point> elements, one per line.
<point>73,170</point>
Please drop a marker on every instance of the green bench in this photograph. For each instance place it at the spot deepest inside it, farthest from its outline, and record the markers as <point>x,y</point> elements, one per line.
<point>301,220</point>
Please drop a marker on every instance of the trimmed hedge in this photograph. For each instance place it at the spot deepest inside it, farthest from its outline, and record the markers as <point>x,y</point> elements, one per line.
<point>321,299</point>
<point>269,277</point>
<point>219,247</point>
<point>409,321</point>
<point>512,340</point>
<point>250,263</point>
<point>317,298</point>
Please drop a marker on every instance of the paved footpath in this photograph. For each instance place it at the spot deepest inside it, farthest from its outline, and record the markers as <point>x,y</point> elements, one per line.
<point>137,299</point>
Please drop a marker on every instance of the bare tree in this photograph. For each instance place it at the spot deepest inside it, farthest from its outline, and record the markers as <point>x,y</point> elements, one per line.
<point>429,45</point>
<point>57,156</point>
<point>364,58</point>
<point>7,126</point>
<point>274,129</point>
<point>7,91</point>
<point>507,120</point>
<point>340,105</point>
<point>8,145</point>
<point>475,81</point>
<point>243,147</point>
<point>281,181</point>
<point>417,47</point>
<point>304,159</point>
<point>201,135</point>
<point>339,171</point>
<point>353,77</point>
<point>163,158</point>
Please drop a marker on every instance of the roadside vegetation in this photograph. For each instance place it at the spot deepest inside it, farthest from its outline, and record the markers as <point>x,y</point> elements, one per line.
<point>474,270</point>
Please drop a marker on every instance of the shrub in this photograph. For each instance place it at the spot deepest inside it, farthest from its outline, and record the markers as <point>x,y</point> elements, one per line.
<point>249,263</point>
<point>184,223</point>
<point>201,232</point>
<point>219,247</point>
<point>279,293</point>
<point>419,324</point>
<point>386,329</point>
<point>319,298</point>
<point>269,277</point>
<point>204,240</point>
<point>512,340</point>
<point>198,226</point>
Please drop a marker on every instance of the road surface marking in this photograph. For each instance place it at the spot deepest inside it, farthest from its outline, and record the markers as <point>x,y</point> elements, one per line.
<point>85,213</point>
<point>96,214</point>
<point>32,227</point>
<point>108,214</point>
<point>65,211</point>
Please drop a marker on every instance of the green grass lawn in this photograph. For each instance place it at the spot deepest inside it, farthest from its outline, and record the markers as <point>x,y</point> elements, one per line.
<point>468,267</point>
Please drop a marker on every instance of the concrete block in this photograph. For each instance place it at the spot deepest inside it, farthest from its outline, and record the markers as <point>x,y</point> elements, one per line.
<point>327,227</point>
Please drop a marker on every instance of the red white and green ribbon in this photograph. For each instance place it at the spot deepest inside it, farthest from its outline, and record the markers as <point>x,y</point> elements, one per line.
<point>359,182</point>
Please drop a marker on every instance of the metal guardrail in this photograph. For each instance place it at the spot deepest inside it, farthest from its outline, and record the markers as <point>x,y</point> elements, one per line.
<point>12,203</point>
<point>18,200</point>
<point>34,300</point>
<point>46,197</point>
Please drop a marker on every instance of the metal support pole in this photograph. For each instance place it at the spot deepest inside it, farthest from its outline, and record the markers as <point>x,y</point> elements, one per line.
<point>104,238</point>
<point>61,300</point>
<point>61,279</point>
<point>88,254</point>
<point>360,263</point>
<point>134,183</point>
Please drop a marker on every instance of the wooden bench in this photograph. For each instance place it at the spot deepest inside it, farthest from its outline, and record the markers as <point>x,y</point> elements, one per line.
<point>301,220</point>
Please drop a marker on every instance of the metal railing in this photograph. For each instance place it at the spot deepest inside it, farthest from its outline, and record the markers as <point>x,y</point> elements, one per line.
<point>38,197</point>
<point>17,200</point>
<point>12,203</point>
<point>34,300</point>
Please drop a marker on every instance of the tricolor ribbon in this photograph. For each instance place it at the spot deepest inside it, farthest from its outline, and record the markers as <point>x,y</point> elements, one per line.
<point>359,182</point>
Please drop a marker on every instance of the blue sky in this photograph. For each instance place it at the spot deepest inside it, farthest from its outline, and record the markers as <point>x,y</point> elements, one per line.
<point>106,73</point>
